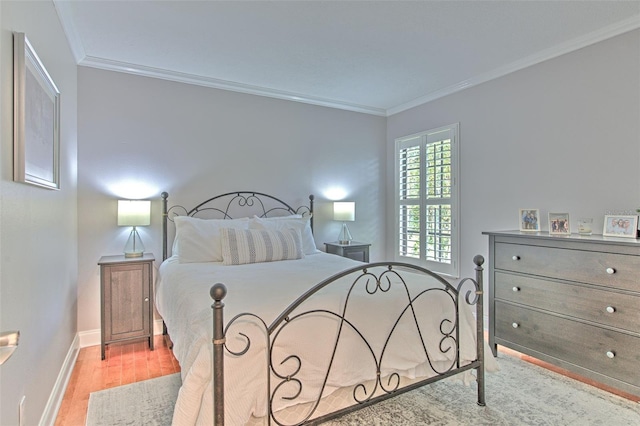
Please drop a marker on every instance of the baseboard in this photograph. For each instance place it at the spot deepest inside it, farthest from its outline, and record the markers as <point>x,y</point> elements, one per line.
<point>55,399</point>
<point>92,337</point>
<point>89,338</point>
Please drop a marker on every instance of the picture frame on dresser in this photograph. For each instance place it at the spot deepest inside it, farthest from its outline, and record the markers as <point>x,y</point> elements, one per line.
<point>559,224</point>
<point>529,220</point>
<point>625,226</point>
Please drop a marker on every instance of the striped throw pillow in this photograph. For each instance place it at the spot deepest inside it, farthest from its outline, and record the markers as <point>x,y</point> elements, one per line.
<point>241,246</point>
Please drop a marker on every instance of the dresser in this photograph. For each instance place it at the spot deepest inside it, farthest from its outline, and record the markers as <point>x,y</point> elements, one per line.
<point>572,301</point>
<point>126,296</point>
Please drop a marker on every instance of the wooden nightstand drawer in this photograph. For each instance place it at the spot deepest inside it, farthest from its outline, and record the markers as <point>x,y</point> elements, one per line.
<point>126,289</point>
<point>601,306</point>
<point>599,268</point>
<point>128,295</point>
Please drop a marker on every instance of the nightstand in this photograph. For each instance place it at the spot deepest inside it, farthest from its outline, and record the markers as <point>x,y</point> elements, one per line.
<point>126,299</point>
<point>355,250</point>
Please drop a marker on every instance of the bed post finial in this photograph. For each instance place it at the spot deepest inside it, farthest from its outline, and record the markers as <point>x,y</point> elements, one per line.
<point>218,292</point>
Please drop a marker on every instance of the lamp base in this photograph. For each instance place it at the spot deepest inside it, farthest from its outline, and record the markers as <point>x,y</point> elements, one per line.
<point>345,236</point>
<point>134,246</point>
<point>137,254</point>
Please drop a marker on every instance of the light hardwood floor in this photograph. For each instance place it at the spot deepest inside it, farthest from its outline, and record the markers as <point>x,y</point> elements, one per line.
<point>123,364</point>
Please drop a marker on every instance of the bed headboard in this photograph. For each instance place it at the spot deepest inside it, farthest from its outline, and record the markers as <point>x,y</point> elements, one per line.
<point>231,205</point>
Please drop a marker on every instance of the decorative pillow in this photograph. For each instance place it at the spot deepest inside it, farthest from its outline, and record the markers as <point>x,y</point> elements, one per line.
<point>302,224</point>
<point>198,240</point>
<point>240,246</point>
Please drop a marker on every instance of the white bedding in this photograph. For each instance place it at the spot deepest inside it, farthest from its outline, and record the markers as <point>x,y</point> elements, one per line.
<point>266,289</point>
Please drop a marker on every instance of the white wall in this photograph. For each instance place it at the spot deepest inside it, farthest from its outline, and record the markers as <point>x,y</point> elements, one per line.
<point>38,237</point>
<point>195,142</point>
<point>561,136</point>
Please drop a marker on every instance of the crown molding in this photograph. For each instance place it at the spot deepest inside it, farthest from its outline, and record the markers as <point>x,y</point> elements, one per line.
<point>63,9</point>
<point>198,80</point>
<point>544,55</point>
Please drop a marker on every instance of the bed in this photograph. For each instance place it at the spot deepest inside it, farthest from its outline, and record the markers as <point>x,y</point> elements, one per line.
<point>300,336</point>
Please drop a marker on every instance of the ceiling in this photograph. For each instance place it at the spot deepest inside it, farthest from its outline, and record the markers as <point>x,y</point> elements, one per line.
<point>376,57</point>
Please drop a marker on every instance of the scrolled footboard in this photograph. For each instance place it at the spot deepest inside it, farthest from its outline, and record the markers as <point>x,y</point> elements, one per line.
<point>374,326</point>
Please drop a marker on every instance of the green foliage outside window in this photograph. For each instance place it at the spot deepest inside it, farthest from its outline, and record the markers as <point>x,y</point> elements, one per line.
<point>437,171</point>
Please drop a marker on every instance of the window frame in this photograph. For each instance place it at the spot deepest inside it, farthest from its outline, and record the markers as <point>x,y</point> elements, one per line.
<point>423,139</point>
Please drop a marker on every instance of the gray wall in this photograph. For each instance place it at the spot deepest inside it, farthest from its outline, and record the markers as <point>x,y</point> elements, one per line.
<point>195,142</point>
<point>560,136</point>
<point>38,229</point>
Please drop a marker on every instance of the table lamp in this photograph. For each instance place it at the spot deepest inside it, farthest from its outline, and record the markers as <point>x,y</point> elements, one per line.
<point>344,211</point>
<point>134,213</point>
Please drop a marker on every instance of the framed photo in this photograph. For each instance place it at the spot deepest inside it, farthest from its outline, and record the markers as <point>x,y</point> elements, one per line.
<point>529,220</point>
<point>559,224</point>
<point>620,226</point>
<point>36,119</point>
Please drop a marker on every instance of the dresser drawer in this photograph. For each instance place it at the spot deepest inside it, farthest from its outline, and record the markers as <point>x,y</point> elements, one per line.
<point>607,269</point>
<point>591,304</point>
<point>574,342</point>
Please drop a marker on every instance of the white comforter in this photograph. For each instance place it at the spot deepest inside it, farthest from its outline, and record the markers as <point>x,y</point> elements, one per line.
<point>266,289</point>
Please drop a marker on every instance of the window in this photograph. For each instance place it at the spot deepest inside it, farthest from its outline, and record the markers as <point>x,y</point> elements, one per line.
<point>427,199</point>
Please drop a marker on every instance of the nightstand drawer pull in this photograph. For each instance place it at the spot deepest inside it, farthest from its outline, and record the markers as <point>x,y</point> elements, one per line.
<point>611,309</point>
<point>611,271</point>
<point>146,299</point>
<point>515,257</point>
<point>611,354</point>
<point>515,325</point>
<point>516,289</point>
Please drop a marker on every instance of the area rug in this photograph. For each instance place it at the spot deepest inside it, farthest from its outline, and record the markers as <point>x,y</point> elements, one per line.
<point>149,402</point>
<point>519,394</point>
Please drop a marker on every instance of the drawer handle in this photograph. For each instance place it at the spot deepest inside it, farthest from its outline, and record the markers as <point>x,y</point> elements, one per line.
<point>515,325</point>
<point>611,354</point>
<point>146,299</point>
<point>516,289</point>
<point>611,309</point>
<point>515,257</point>
<point>611,271</point>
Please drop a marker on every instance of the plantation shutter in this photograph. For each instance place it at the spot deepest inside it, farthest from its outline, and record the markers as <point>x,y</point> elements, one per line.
<point>426,170</point>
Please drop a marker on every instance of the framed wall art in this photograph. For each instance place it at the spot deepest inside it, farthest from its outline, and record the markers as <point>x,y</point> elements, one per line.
<point>620,226</point>
<point>529,220</point>
<point>36,115</point>
<point>559,224</point>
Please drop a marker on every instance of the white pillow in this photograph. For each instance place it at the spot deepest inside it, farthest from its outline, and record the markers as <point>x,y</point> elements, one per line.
<point>198,240</point>
<point>302,224</point>
<point>241,246</point>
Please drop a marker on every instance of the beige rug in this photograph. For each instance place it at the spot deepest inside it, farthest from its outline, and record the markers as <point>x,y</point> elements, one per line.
<point>519,394</point>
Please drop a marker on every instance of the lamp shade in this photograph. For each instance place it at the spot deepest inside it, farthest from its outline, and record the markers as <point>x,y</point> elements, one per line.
<point>344,211</point>
<point>134,213</point>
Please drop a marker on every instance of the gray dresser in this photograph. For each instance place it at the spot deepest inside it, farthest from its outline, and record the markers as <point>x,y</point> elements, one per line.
<point>572,301</point>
